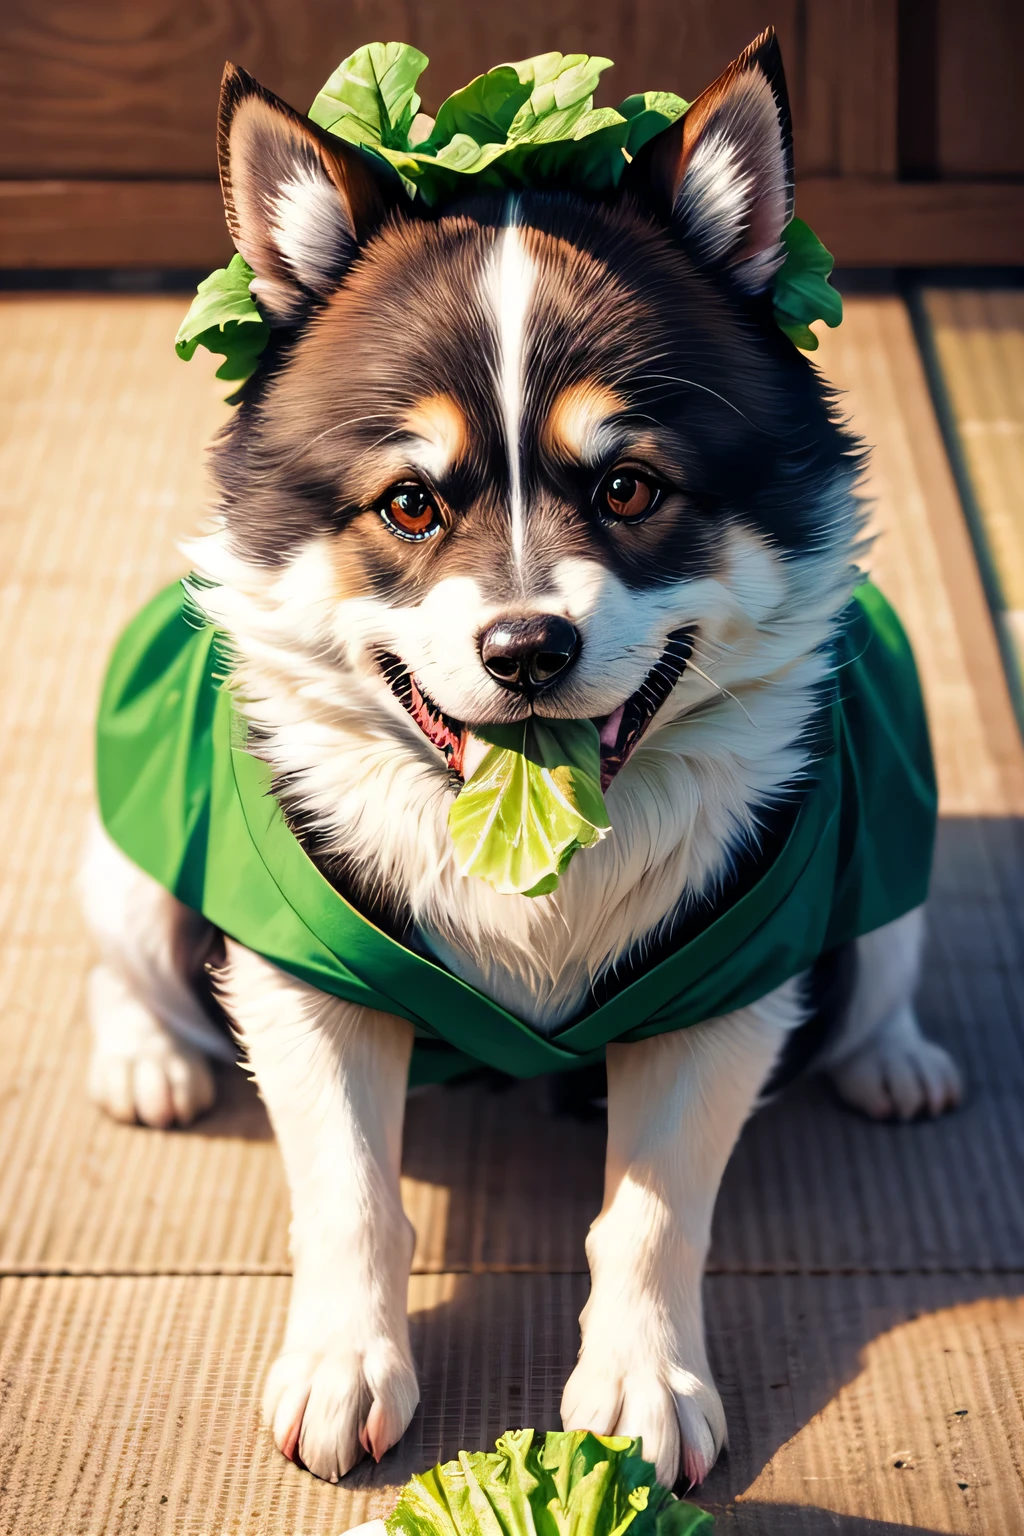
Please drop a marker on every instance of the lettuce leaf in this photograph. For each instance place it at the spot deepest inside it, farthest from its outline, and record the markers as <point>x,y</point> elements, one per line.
<point>648,114</point>
<point>530,124</point>
<point>522,125</point>
<point>561,95</point>
<point>483,110</point>
<point>224,319</point>
<point>371,97</point>
<point>802,290</point>
<point>573,1483</point>
<point>532,803</point>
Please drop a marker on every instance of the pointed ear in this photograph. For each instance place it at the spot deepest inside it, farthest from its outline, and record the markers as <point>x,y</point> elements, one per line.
<point>298,201</point>
<point>723,175</point>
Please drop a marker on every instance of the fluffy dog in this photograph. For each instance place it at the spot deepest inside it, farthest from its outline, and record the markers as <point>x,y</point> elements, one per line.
<point>495,461</point>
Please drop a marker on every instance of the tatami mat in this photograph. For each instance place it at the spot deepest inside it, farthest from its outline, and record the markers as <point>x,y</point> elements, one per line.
<point>924,560</point>
<point>147,1272</point>
<point>868,1405</point>
<point>130,1404</point>
<point>977,339</point>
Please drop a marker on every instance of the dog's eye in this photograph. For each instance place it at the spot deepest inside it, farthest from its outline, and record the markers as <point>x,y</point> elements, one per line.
<point>410,511</point>
<point>628,495</point>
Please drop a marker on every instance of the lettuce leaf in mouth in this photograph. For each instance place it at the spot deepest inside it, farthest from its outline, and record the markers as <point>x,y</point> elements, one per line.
<point>571,1483</point>
<point>532,124</point>
<point>532,803</point>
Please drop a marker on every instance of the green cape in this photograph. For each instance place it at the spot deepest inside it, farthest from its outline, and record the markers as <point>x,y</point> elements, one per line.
<point>182,797</point>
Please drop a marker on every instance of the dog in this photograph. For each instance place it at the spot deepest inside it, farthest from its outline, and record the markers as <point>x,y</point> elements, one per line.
<point>494,458</point>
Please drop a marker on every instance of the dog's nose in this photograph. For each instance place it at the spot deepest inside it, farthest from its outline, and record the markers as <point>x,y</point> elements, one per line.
<point>527,655</point>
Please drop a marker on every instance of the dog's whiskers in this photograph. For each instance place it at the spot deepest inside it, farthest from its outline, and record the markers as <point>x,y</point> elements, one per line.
<point>706,389</point>
<point>339,426</point>
<point>724,691</point>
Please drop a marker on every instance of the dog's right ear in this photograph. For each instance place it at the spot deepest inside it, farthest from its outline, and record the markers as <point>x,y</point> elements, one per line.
<point>298,201</point>
<point>722,176</point>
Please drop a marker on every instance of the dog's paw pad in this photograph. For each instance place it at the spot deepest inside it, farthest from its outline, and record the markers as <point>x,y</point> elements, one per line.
<point>899,1079</point>
<point>162,1086</point>
<point>326,1408</point>
<point>678,1414</point>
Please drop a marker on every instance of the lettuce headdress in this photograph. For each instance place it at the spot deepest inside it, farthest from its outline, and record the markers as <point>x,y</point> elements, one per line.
<point>526,125</point>
<point>536,797</point>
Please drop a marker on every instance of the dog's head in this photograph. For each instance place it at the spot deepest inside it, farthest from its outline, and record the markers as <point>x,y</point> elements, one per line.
<point>525,454</point>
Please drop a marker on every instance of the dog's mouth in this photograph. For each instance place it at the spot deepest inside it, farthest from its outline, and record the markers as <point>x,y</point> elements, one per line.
<point>446,734</point>
<point>620,732</point>
<point>622,729</point>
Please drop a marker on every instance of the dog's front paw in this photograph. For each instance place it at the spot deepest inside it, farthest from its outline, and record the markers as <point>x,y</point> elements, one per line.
<point>326,1408</point>
<point>677,1412</point>
<point>162,1085</point>
<point>899,1074</point>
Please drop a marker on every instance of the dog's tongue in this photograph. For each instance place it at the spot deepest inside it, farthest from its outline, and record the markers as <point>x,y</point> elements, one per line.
<point>610,730</point>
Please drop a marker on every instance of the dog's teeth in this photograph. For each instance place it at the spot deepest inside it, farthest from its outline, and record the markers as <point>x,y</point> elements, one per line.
<point>457,754</point>
<point>624,726</point>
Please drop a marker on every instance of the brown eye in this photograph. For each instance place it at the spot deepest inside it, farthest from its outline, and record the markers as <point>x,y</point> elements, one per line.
<point>410,511</point>
<point>628,495</point>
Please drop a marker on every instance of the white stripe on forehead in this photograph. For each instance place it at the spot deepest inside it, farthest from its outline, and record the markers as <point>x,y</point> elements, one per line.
<point>509,280</point>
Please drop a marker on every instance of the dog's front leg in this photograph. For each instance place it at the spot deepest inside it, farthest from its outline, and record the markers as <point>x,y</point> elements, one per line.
<point>676,1104</point>
<point>333,1076</point>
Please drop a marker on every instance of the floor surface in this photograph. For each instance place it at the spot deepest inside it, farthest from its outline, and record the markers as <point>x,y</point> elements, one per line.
<point>865,1301</point>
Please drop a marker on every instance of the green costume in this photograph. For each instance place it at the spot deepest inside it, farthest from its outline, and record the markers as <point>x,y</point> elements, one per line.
<point>179,793</point>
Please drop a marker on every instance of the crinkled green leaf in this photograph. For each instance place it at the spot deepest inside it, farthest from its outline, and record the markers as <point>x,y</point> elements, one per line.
<point>561,93</point>
<point>534,800</point>
<point>371,97</point>
<point>802,292</point>
<point>648,114</point>
<point>462,153</point>
<point>665,103</point>
<point>571,1483</point>
<point>591,163</point>
<point>530,124</point>
<point>484,109</point>
<point>799,334</point>
<point>223,318</point>
<point>520,125</point>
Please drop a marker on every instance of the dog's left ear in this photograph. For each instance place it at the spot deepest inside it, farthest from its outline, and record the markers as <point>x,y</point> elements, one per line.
<point>723,175</point>
<point>298,201</point>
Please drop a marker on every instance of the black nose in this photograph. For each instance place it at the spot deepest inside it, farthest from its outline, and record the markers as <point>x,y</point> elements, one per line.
<point>527,655</point>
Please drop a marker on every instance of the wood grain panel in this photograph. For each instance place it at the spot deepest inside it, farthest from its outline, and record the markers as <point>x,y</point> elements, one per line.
<point>915,224</point>
<point>109,89</point>
<point>114,90</point>
<point>980,90</point>
<point>917,89</point>
<point>163,224</point>
<point>845,101</point>
<point>168,224</point>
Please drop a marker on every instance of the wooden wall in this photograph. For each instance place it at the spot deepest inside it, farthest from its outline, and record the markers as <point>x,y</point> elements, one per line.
<point>908,120</point>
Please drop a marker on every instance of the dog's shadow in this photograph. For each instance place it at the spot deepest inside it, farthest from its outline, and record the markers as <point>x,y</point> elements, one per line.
<point>837,1268</point>
<point>239,1113</point>
<point>807,1456</point>
<point>817,1305</point>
